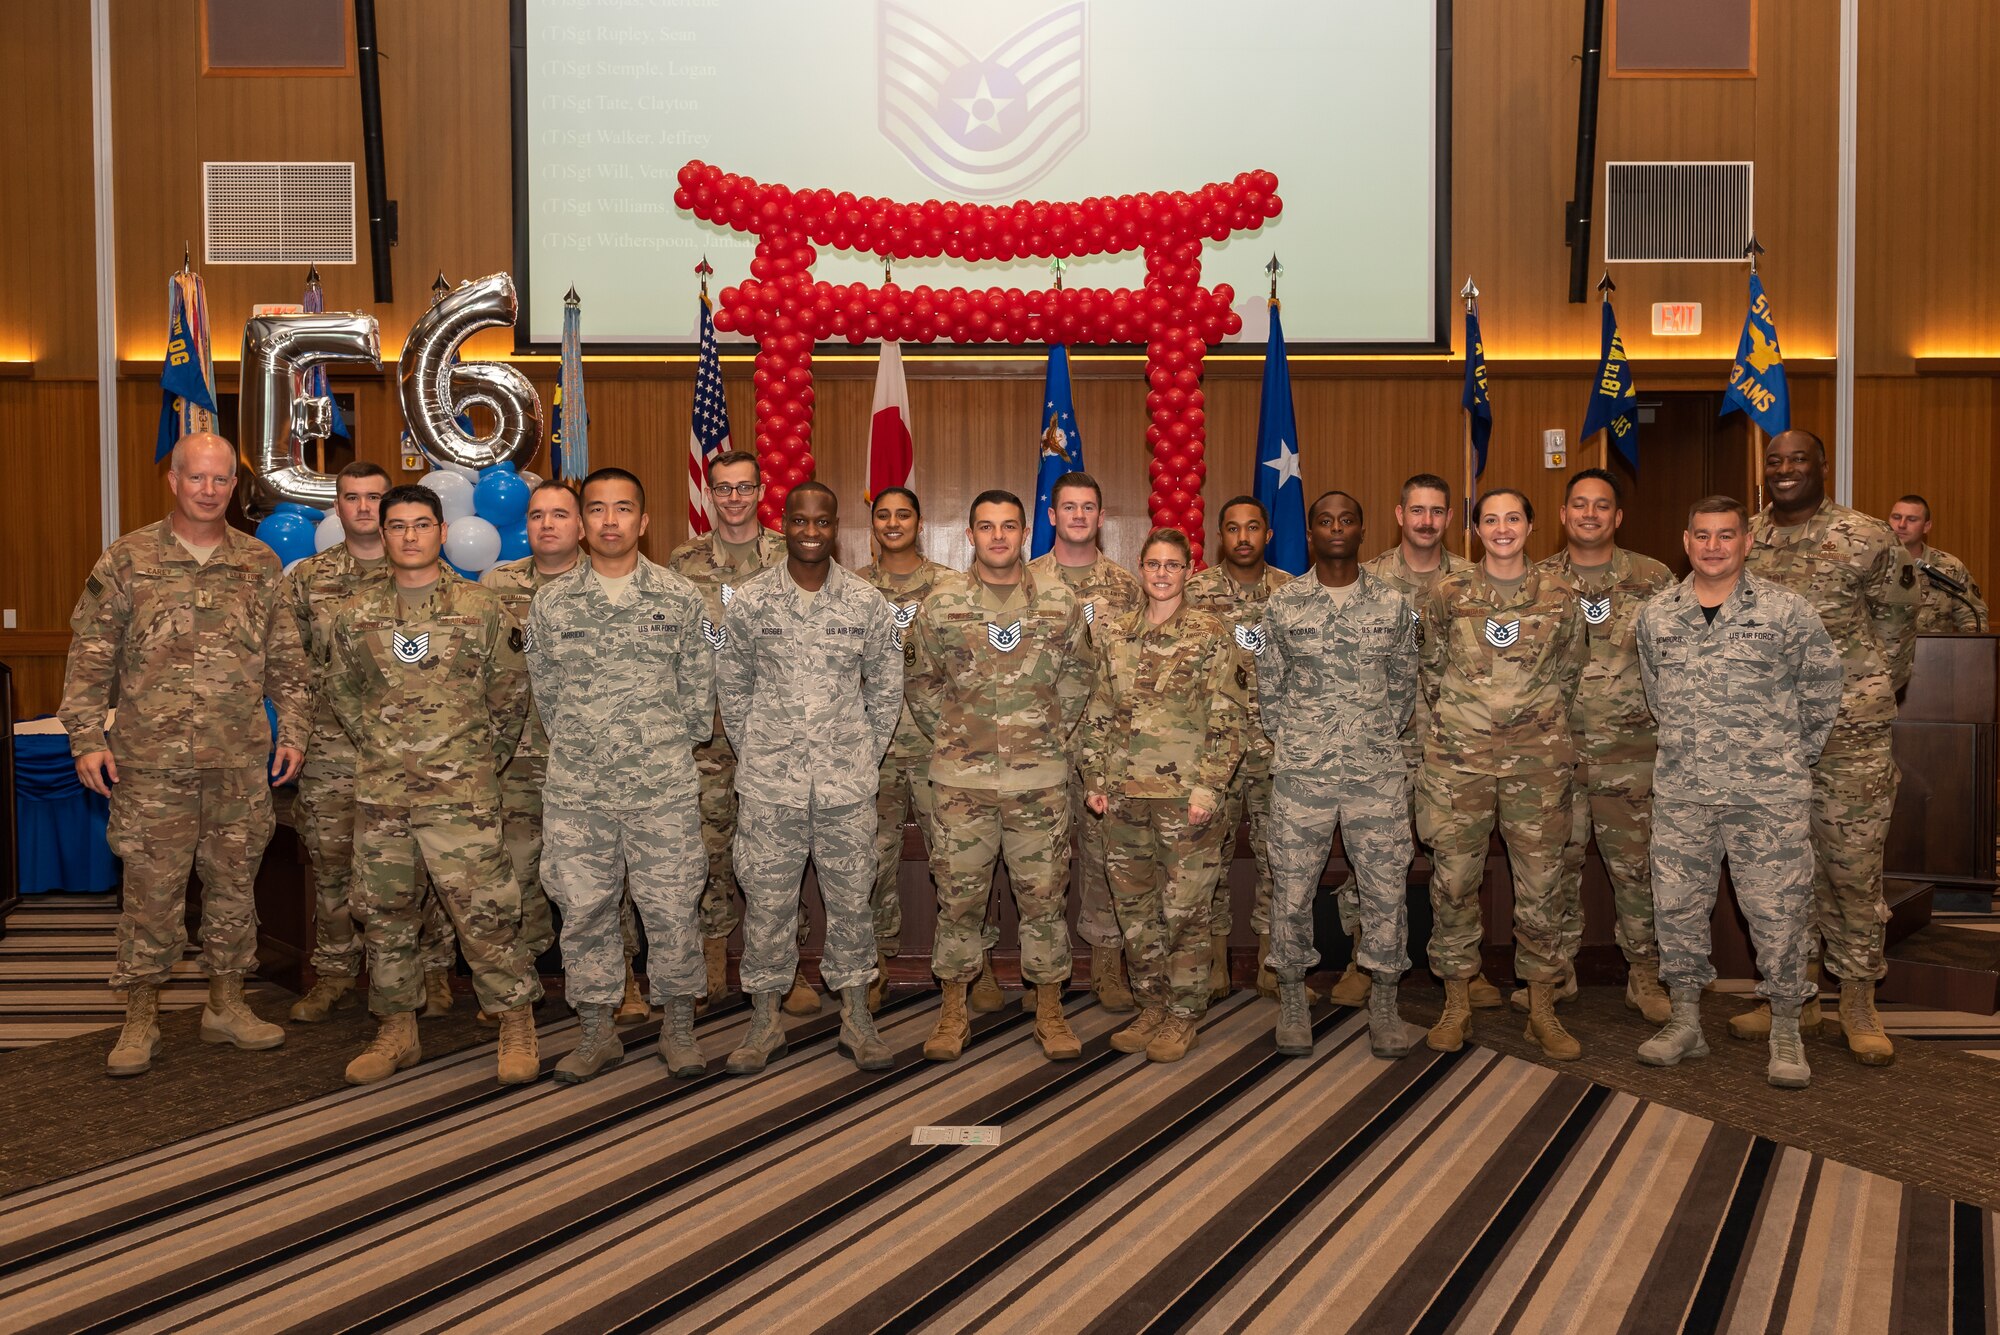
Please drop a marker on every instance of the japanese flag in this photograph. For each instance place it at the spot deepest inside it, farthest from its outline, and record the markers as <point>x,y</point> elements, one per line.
<point>891,453</point>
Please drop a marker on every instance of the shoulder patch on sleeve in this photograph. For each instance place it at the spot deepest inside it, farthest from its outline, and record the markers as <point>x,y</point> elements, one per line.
<point>95,585</point>
<point>1909,576</point>
<point>1242,678</point>
<point>909,653</point>
<point>515,640</point>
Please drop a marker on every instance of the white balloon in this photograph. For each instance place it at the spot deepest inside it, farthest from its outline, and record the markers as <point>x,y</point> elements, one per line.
<point>533,479</point>
<point>466,471</point>
<point>329,533</point>
<point>472,543</point>
<point>453,491</point>
<point>294,561</point>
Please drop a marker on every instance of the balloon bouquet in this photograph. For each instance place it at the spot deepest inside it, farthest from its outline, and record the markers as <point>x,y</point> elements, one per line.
<point>478,480</point>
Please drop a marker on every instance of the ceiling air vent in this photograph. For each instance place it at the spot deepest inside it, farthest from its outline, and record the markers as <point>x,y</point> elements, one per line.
<point>278,212</point>
<point>1682,211</point>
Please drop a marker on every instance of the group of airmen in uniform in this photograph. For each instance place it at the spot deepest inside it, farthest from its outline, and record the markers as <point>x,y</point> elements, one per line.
<point>661,749</point>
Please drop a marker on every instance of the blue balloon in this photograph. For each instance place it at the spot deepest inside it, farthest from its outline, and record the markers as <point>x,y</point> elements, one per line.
<point>501,499</point>
<point>290,535</point>
<point>514,542</point>
<point>485,473</point>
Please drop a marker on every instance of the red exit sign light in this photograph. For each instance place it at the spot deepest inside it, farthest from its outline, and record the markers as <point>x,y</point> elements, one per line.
<point>1673,318</point>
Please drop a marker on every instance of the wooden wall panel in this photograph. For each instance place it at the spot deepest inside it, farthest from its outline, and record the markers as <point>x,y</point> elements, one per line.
<point>1937,437</point>
<point>48,287</point>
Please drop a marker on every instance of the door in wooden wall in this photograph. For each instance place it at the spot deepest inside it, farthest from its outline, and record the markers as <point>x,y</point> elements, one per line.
<point>1686,452</point>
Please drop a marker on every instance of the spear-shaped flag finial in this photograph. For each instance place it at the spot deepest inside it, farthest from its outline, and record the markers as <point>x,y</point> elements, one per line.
<point>888,269</point>
<point>312,274</point>
<point>1606,286</point>
<point>187,258</point>
<point>1276,270</point>
<point>1751,250</point>
<point>440,288</point>
<point>702,271</point>
<point>570,298</point>
<point>1058,266</point>
<point>1469,294</point>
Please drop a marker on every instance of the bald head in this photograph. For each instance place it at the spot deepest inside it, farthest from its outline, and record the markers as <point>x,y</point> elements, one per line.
<point>202,477</point>
<point>203,450</point>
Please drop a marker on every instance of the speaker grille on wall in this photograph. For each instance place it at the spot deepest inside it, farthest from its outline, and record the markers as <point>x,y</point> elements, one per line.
<point>1688,211</point>
<point>278,212</point>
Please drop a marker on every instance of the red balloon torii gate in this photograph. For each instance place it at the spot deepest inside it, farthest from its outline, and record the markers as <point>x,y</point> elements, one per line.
<point>787,312</point>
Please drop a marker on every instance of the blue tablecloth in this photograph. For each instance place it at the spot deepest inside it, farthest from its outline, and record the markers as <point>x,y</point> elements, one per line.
<point>61,821</point>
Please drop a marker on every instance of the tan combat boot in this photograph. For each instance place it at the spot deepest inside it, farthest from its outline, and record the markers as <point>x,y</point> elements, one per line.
<point>329,993</point>
<point>1052,1031</point>
<point>765,1040</point>
<point>878,991</point>
<point>1135,1036</point>
<point>1294,1034</point>
<point>1354,985</point>
<point>1787,1067</point>
<point>520,1057</point>
<point>394,1048</point>
<point>986,996</point>
<point>1454,1022</point>
<point>715,960</point>
<point>1545,1029</point>
<point>1863,1027</point>
<point>1267,982</point>
<point>858,1038</point>
<point>1644,994</point>
<point>1564,991</point>
<point>597,1050</point>
<point>801,1000</point>
<point>1755,1026</point>
<point>1107,980</point>
<point>1682,1036</point>
<point>632,1007</point>
<point>139,1041</point>
<point>1219,984</point>
<point>1389,1035</point>
<point>228,1019</point>
<point>1482,995</point>
<point>953,1028</point>
<point>678,1048</point>
<point>437,993</point>
<point>1175,1040</point>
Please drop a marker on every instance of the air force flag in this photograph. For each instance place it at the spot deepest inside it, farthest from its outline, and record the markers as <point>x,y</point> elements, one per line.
<point>1278,485</point>
<point>1614,399</point>
<point>1757,380</point>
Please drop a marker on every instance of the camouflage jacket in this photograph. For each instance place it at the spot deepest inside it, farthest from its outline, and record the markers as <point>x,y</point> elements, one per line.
<point>1500,673</point>
<point>1104,588</point>
<point>811,688</point>
<point>998,680</point>
<point>1241,608</point>
<point>1745,703</point>
<point>517,582</point>
<point>906,594</point>
<point>1170,709</point>
<point>1940,613</point>
<point>627,689</point>
<point>315,590</point>
<point>1863,584</point>
<point>1609,718</point>
<point>1338,679</point>
<point>187,652</point>
<point>1391,568</point>
<point>434,702</point>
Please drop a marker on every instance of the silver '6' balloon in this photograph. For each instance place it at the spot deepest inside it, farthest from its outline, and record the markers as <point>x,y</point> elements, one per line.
<point>436,388</point>
<point>275,416</point>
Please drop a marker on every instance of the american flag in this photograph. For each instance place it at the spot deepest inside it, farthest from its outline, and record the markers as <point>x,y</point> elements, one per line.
<point>710,435</point>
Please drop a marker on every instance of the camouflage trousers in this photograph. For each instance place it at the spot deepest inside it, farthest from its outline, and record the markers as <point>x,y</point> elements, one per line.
<point>905,785</point>
<point>1347,895</point>
<point>1853,791</point>
<point>1616,803</point>
<point>1771,870</point>
<point>1096,920</point>
<point>589,858</point>
<point>975,828</point>
<point>721,908</point>
<point>1374,823</point>
<point>1456,812</point>
<point>772,845</point>
<point>521,820</point>
<point>165,822</point>
<point>1162,869</point>
<point>1249,790</point>
<point>325,814</point>
<point>463,850</point>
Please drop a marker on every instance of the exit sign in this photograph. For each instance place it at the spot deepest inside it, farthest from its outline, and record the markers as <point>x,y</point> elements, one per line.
<point>1676,317</point>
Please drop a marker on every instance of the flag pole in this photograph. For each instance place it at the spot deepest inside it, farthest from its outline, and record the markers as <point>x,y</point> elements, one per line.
<point>1470,294</point>
<point>1751,250</point>
<point>1605,287</point>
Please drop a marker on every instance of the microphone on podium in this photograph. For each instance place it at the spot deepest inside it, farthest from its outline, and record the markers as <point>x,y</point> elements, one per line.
<point>1933,572</point>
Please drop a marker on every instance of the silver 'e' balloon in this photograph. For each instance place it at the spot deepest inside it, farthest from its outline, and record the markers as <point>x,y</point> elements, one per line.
<point>275,416</point>
<point>437,389</point>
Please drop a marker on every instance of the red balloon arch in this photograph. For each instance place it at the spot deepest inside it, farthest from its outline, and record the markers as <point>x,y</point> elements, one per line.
<point>787,312</point>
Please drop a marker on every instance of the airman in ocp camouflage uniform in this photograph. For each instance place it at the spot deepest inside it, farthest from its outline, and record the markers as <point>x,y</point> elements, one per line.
<point>1612,792</point>
<point>1745,695</point>
<point>521,782</point>
<point>1241,607</point>
<point>1160,740</point>
<point>188,642</point>
<point>997,675</point>
<point>626,688</point>
<point>430,683</point>
<point>1953,608</point>
<point>1103,589</point>
<point>904,782</point>
<point>1859,579</point>
<point>1337,672</point>
<point>1500,670</point>
<point>315,590</point>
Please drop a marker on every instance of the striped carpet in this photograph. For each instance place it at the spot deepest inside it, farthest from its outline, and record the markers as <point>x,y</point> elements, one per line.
<point>1235,1191</point>
<point>55,963</point>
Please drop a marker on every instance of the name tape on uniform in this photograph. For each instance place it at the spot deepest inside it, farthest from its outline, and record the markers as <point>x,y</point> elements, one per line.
<point>955,1135</point>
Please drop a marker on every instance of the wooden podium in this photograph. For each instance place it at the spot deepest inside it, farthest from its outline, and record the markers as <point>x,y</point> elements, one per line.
<point>1947,744</point>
